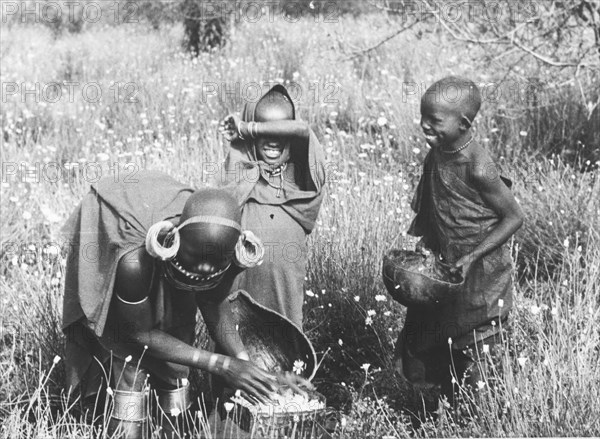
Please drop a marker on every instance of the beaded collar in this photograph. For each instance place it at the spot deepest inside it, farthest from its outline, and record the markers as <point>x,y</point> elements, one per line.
<point>460,148</point>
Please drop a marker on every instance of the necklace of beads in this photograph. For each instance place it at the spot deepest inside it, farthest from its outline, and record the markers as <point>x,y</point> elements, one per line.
<point>460,148</point>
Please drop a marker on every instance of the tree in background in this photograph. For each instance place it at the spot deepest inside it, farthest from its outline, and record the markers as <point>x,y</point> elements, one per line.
<point>548,49</point>
<point>203,31</point>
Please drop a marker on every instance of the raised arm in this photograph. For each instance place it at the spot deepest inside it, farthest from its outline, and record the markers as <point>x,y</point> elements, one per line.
<point>233,128</point>
<point>133,309</point>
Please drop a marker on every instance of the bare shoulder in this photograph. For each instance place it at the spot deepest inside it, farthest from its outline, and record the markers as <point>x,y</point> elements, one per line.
<point>484,171</point>
<point>134,275</point>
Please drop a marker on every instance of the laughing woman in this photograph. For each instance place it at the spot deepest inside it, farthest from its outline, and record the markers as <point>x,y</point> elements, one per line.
<point>276,167</point>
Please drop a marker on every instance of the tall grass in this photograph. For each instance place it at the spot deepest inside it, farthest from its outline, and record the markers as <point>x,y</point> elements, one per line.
<point>371,142</point>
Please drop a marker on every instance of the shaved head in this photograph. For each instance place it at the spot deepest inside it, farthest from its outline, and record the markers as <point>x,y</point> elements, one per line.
<point>275,105</point>
<point>215,202</point>
<point>454,92</point>
<point>209,241</point>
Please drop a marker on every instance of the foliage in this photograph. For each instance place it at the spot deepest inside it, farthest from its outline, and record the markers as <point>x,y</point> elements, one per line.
<point>368,127</point>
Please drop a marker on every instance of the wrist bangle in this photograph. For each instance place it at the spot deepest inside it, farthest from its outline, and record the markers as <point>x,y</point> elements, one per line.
<point>212,361</point>
<point>196,357</point>
<point>252,129</point>
<point>226,362</point>
<point>239,130</point>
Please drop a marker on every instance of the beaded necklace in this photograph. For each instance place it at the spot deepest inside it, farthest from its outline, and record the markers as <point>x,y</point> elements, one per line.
<point>460,148</point>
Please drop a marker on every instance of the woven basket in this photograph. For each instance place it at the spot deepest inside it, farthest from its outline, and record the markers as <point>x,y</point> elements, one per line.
<point>288,420</point>
<point>415,280</point>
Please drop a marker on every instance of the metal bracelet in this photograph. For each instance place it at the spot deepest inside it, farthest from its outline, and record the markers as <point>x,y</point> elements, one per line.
<point>252,129</point>
<point>174,401</point>
<point>239,130</point>
<point>212,361</point>
<point>226,362</point>
<point>130,406</point>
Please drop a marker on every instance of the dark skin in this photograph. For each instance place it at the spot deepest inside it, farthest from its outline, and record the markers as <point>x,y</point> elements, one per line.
<point>134,274</point>
<point>272,139</point>
<point>447,127</point>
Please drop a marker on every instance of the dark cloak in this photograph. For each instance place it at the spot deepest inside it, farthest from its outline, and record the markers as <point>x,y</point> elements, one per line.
<point>111,221</point>
<point>453,219</point>
<point>282,223</point>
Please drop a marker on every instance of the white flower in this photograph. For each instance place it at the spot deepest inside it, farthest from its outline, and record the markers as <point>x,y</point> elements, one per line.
<point>365,367</point>
<point>523,133</point>
<point>381,121</point>
<point>56,359</point>
<point>450,340</point>
<point>340,342</point>
<point>109,391</point>
<point>356,298</point>
<point>184,382</point>
<point>26,216</point>
<point>128,358</point>
<point>380,298</point>
<point>52,250</point>
<point>343,422</point>
<point>522,361</point>
<point>309,293</point>
<point>228,406</point>
<point>369,321</point>
<point>175,411</point>
<point>486,348</point>
<point>480,385</point>
<point>416,150</point>
<point>371,312</point>
<point>299,367</point>
<point>500,303</point>
<point>50,215</point>
<point>535,309</point>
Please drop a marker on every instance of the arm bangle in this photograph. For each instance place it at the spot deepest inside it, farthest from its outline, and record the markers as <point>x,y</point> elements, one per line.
<point>226,362</point>
<point>252,130</point>
<point>212,361</point>
<point>196,357</point>
<point>239,130</point>
<point>131,303</point>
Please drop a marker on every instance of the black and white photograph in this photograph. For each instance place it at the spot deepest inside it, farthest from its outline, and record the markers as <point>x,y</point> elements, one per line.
<point>300,219</point>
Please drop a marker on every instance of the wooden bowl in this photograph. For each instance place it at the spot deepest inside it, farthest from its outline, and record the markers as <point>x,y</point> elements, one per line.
<point>415,280</point>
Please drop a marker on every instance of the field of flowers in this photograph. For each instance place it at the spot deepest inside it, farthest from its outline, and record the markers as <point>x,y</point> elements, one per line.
<point>131,98</point>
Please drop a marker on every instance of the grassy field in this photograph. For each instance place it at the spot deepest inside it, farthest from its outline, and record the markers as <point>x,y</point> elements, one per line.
<point>365,110</point>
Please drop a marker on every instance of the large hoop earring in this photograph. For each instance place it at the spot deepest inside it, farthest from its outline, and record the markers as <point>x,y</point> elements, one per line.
<point>155,248</point>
